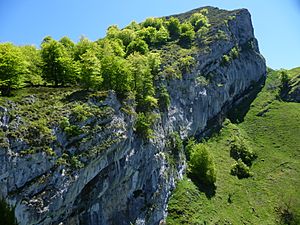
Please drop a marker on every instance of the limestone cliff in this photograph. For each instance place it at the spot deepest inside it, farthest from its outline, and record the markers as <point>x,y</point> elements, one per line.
<point>125,179</point>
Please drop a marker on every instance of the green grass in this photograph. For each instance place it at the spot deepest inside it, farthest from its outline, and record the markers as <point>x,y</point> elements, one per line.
<point>274,137</point>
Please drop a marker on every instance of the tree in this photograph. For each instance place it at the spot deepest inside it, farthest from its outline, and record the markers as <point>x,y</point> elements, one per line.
<point>201,164</point>
<point>12,68</point>
<point>154,62</point>
<point>82,47</point>
<point>161,36</point>
<point>142,81</point>
<point>115,71</point>
<point>147,34</point>
<point>90,70</point>
<point>187,34</point>
<point>157,23</point>
<point>126,36</point>
<point>137,45</point>
<point>198,20</point>
<point>173,25</point>
<point>284,79</point>
<point>33,59</point>
<point>58,67</point>
<point>68,44</point>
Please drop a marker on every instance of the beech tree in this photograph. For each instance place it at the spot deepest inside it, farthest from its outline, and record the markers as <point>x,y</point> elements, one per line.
<point>91,70</point>
<point>33,59</point>
<point>173,25</point>
<point>137,46</point>
<point>12,67</point>
<point>58,67</point>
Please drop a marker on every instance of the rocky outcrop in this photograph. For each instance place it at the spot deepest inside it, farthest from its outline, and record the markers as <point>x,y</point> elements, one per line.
<point>125,179</point>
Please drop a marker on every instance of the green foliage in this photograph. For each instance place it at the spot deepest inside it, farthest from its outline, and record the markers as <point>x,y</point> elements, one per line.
<point>157,23</point>
<point>138,45</point>
<point>33,59</point>
<point>147,34</point>
<point>234,53</point>
<point>284,81</point>
<point>186,63</point>
<point>201,164</point>
<point>12,67</point>
<point>225,60</point>
<point>82,47</point>
<point>239,149</point>
<point>187,34</point>
<point>68,44</point>
<point>164,99</point>
<point>173,26</point>
<point>161,36</point>
<point>144,124</point>
<point>73,131</point>
<point>261,200</point>
<point>7,214</point>
<point>58,67</point>
<point>240,169</point>
<point>80,112</point>
<point>154,62</point>
<point>198,20</point>
<point>76,163</point>
<point>91,76</point>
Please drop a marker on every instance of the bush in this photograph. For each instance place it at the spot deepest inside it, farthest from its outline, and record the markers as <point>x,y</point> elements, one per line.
<point>173,25</point>
<point>144,124</point>
<point>187,35</point>
<point>225,60</point>
<point>201,164</point>
<point>241,170</point>
<point>137,45</point>
<point>73,131</point>
<point>164,99</point>
<point>239,149</point>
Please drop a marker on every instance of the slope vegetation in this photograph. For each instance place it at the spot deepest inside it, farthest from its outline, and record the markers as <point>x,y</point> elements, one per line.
<point>271,196</point>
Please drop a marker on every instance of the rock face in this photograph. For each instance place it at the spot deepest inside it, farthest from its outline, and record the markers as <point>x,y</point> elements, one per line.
<point>130,179</point>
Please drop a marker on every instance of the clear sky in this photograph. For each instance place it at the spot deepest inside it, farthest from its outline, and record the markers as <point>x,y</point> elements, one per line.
<point>276,22</point>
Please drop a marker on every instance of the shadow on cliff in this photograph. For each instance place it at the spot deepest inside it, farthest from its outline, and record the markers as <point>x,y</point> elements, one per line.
<point>238,112</point>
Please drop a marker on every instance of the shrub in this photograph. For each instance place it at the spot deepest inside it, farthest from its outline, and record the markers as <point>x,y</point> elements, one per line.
<point>72,131</point>
<point>187,34</point>
<point>234,53</point>
<point>164,99</point>
<point>186,63</point>
<point>241,170</point>
<point>239,149</point>
<point>173,25</point>
<point>76,163</point>
<point>144,124</point>
<point>225,60</point>
<point>137,45</point>
<point>201,164</point>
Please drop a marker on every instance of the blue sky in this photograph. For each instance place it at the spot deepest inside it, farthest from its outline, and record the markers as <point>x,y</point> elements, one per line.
<point>276,22</point>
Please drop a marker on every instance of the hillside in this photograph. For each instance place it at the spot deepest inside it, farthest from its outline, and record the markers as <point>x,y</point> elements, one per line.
<point>271,196</point>
<point>94,132</point>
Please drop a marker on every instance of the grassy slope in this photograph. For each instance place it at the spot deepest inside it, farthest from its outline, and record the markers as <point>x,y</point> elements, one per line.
<point>275,138</point>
